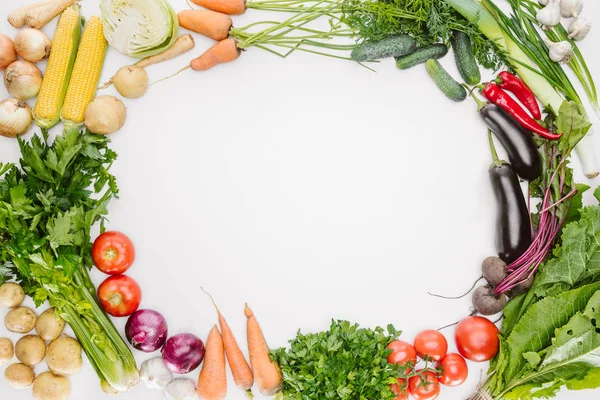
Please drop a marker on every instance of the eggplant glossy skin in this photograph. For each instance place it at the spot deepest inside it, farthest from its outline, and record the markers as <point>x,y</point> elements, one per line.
<point>513,227</point>
<point>518,143</point>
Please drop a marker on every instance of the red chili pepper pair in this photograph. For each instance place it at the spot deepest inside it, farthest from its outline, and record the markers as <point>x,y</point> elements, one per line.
<point>498,96</point>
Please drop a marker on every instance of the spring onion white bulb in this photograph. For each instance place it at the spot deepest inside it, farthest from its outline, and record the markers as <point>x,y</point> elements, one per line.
<point>549,16</point>
<point>579,29</point>
<point>181,389</point>
<point>22,80</point>
<point>15,117</point>
<point>154,374</point>
<point>560,52</point>
<point>571,8</point>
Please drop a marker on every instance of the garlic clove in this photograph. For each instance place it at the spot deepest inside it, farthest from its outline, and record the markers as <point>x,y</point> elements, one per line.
<point>579,29</point>
<point>549,16</point>
<point>571,8</point>
<point>154,374</point>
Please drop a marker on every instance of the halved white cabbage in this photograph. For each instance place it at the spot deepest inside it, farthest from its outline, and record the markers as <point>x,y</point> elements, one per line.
<point>139,28</point>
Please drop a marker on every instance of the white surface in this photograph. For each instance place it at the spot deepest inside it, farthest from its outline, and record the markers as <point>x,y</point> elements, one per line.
<point>310,188</point>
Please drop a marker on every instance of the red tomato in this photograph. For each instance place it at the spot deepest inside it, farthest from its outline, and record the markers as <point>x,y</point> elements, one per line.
<point>477,339</point>
<point>454,370</point>
<point>432,344</point>
<point>402,353</point>
<point>427,388</point>
<point>120,295</point>
<point>113,253</point>
<point>400,389</point>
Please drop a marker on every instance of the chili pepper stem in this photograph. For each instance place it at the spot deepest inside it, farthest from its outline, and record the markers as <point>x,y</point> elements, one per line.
<point>480,104</point>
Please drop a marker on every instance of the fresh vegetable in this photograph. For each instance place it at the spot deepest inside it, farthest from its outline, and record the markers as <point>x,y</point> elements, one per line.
<point>32,45</point>
<point>403,353</point>
<point>499,97</point>
<point>86,73</point>
<point>493,270</point>
<point>431,344</point>
<point>64,356</point>
<point>22,80</point>
<point>15,118</point>
<point>181,389</point>
<point>120,295</point>
<point>17,17</point>
<point>105,115</point>
<point>465,58</point>
<point>49,326</point>
<point>131,81</point>
<point>344,359</point>
<point>139,28</point>
<point>19,376</point>
<point>209,23</point>
<point>20,320</point>
<point>267,373</point>
<point>71,171</point>
<point>7,350</point>
<point>570,8</point>
<point>223,52</point>
<point>11,294</point>
<point>393,46</point>
<point>30,350</point>
<point>39,17</point>
<point>579,28</point>
<point>212,383</point>
<point>486,302</point>
<point>113,253</point>
<point>516,86</point>
<point>50,386</point>
<point>146,330</point>
<point>454,370</point>
<point>477,339</point>
<point>452,89</point>
<point>231,7</point>
<point>549,15</point>
<point>183,353</point>
<point>8,55</point>
<point>154,374</point>
<point>58,72</point>
<point>424,387</point>
<point>560,52</point>
<point>421,55</point>
<point>400,389</point>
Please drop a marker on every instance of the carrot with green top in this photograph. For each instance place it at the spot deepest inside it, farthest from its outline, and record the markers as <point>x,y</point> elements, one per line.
<point>212,382</point>
<point>212,24</point>
<point>222,52</point>
<point>231,7</point>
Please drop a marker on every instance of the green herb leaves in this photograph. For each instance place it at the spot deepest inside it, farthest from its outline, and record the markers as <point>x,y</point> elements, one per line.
<point>345,362</point>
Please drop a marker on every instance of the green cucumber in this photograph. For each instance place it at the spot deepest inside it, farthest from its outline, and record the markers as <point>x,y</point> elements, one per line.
<point>465,59</point>
<point>452,89</point>
<point>421,55</point>
<point>393,46</point>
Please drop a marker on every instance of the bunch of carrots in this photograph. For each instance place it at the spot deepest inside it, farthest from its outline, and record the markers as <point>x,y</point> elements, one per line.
<point>212,383</point>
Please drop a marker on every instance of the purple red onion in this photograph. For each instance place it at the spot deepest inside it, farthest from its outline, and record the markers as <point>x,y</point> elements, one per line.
<point>183,353</point>
<point>146,330</point>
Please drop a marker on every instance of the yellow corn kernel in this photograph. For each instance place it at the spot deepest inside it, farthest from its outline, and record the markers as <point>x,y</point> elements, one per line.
<point>58,72</point>
<point>86,72</point>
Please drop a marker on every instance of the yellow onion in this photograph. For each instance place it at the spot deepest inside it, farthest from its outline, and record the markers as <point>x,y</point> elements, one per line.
<point>22,80</point>
<point>15,117</point>
<point>32,45</point>
<point>8,55</point>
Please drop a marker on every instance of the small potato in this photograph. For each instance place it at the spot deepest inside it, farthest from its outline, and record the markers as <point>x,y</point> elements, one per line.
<point>19,376</point>
<point>64,356</point>
<point>20,320</point>
<point>49,386</point>
<point>11,294</point>
<point>7,351</point>
<point>49,325</point>
<point>30,350</point>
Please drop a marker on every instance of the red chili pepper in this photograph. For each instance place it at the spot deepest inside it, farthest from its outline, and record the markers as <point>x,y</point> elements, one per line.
<point>511,83</point>
<point>498,96</point>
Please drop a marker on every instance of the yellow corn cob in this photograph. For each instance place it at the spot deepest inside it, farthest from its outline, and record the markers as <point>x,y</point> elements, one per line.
<point>86,72</point>
<point>58,72</point>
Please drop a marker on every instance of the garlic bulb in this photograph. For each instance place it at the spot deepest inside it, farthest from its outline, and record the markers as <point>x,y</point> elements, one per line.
<point>22,80</point>
<point>560,52</point>
<point>543,2</point>
<point>571,8</point>
<point>549,16</point>
<point>32,45</point>
<point>155,374</point>
<point>181,389</point>
<point>579,29</point>
<point>15,117</point>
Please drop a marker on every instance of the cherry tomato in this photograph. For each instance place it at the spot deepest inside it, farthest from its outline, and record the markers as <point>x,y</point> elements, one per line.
<point>427,388</point>
<point>113,253</point>
<point>454,370</point>
<point>119,295</point>
<point>432,344</point>
<point>477,339</point>
<point>400,389</point>
<point>402,353</point>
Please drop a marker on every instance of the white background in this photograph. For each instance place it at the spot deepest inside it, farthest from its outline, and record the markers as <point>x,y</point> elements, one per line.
<point>309,187</point>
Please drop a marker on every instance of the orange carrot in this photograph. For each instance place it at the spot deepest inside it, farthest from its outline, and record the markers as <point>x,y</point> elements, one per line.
<point>222,52</point>
<point>242,374</point>
<point>231,7</point>
<point>212,383</point>
<point>211,24</point>
<point>266,372</point>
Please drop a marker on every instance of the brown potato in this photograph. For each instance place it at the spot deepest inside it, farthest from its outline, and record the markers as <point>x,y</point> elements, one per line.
<point>64,356</point>
<point>30,350</point>
<point>50,386</point>
<point>7,351</point>
<point>19,376</point>
<point>49,325</point>
<point>20,320</point>
<point>11,294</point>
